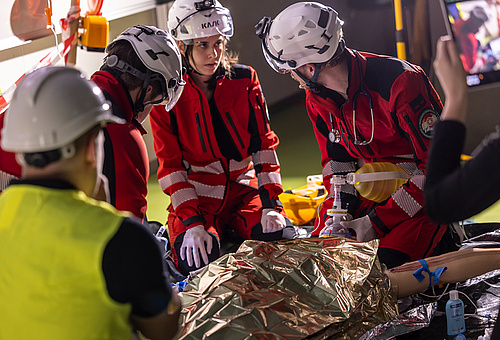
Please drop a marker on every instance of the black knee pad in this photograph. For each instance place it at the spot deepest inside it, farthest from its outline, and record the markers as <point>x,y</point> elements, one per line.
<point>286,233</point>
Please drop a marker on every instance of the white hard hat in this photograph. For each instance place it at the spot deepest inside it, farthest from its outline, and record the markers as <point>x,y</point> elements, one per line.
<point>191,19</point>
<point>305,32</point>
<point>51,108</point>
<point>159,53</point>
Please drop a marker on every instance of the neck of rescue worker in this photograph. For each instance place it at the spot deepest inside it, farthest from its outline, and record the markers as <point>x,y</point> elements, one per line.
<point>76,171</point>
<point>203,82</point>
<point>335,78</point>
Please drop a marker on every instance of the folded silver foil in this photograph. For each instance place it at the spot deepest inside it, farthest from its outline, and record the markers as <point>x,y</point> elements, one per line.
<point>315,288</point>
<point>409,321</point>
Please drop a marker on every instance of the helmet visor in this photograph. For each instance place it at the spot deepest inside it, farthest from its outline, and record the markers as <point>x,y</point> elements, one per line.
<point>277,64</point>
<point>174,94</point>
<point>205,24</point>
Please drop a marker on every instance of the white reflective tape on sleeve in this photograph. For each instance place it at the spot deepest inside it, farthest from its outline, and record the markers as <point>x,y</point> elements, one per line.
<point>338,168</point>
<point>409,156</point>
<point>5,178</point>
<point>182,195</point>
<point>404,200</point>
<point>235,165</point>
<point>266,157</point>
<point>246,177</point>
<point>418,180</point>
<point>269,178</point>
<point>345,188</point>
<point>174,177</point>
<point>408,167</point>
<point>212,168</point>
<point>212,191</point>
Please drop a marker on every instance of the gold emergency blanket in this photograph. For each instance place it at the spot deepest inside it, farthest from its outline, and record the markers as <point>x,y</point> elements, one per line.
<point>326,288</point>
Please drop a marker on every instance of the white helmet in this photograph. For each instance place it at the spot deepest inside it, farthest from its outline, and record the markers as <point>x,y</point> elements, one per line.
<point>159,53</point>
<point>51,108</point>
<point>191,19</point>
<point>305,32</point>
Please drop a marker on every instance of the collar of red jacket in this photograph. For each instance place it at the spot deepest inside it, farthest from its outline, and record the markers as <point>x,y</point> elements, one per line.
<point>117,91</point>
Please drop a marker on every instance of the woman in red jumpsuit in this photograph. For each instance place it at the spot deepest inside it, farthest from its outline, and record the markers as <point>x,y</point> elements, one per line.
<point>215,148</point>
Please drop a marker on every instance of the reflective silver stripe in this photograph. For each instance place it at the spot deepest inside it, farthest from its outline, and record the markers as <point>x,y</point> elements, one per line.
<point>418,180</point>
<point>405,156</point>
<point>338,167</point>
<point>265,157</point>
<point>205,190</point>
<point>5,179</point>
<point>235,165</point>
<point>269,178</point>
<point>212,168</point>
<point>417,172</point>
<point>345,188</point>
<point>404,200</point>
<point>174,177</point>
<point>408,167</point>
<point>246,177</point>
<point>182,195</point>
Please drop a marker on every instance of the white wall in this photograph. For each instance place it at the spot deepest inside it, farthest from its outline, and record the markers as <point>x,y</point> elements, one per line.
<point>17,60</point>
<point>365,29</point>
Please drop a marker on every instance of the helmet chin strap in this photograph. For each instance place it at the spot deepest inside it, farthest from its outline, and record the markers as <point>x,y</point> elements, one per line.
<point>312,83</point>
<point>101,178</point>
<point>139,104</point>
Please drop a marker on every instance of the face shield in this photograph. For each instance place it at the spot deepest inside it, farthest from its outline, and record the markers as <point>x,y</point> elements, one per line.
<point>171,93</point>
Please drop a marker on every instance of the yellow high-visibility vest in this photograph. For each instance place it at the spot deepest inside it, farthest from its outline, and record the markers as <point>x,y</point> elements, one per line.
<point>51,280</point>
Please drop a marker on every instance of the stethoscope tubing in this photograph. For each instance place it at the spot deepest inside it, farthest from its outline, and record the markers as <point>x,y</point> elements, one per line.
<point>361,91</point>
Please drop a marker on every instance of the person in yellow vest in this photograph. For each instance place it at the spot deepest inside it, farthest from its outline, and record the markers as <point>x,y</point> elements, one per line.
<point>72,267</point>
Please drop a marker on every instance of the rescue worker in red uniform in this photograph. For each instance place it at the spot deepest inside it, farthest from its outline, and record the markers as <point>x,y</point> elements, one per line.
<point>142,68</point>
<point>9,169</point>
<point>216,149</point>
<point>364,108</point>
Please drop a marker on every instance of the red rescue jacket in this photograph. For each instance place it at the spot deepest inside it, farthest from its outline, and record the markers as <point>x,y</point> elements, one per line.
<point>405,108</point>
<point>192,167</point>
<point>9,168</point>
<point>126,162</point>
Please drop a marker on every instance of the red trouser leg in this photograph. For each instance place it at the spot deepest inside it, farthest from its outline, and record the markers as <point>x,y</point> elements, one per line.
<point>243,214</point>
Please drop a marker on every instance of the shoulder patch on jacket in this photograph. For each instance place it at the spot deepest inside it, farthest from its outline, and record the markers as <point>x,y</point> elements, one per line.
<point>382,72</point>
<point>426,122</point>
<point>241,71</point>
